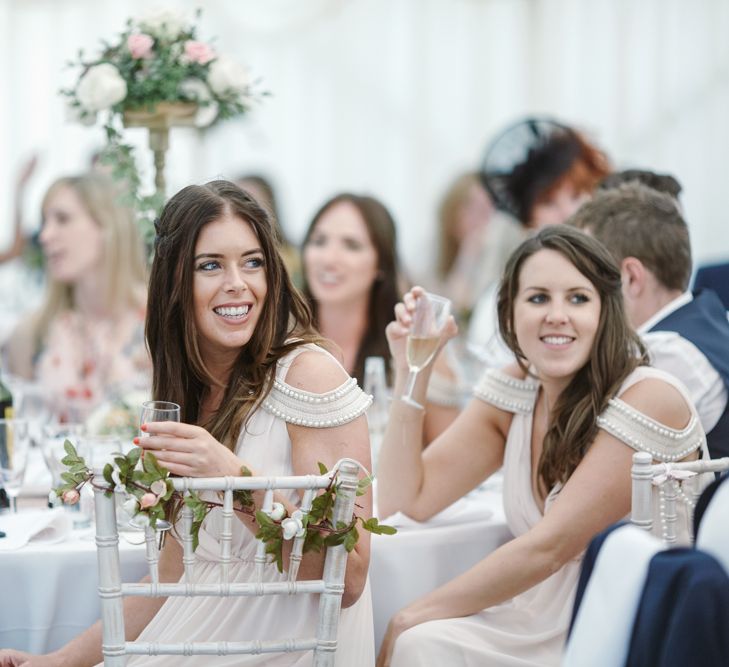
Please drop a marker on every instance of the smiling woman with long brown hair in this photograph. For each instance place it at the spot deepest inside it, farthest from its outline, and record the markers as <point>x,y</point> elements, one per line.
<point>563,422</point>
<point>232,342</point>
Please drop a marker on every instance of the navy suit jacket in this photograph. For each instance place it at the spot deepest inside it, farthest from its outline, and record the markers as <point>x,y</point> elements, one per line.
<point>683,616</point>
<point>714,277</point>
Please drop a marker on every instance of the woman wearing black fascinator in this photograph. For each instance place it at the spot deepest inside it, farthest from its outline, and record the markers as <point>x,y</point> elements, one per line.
<point>540,171</point>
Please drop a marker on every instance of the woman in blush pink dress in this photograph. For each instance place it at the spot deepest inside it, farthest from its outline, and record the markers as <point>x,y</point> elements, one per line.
<point>86,343</point>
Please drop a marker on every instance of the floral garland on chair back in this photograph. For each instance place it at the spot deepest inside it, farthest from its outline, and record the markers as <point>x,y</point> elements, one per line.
<point>151,497</point>
<point>157,62</point>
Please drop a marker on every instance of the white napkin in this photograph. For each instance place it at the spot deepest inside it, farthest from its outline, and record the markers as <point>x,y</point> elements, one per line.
<point>38,526</point>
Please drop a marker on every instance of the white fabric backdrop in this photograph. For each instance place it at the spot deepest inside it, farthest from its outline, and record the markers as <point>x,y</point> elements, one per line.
<point>395,97</point>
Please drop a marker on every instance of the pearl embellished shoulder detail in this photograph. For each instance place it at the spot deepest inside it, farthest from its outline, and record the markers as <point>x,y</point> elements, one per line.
<point>506,392</point>
<point>644,434</point>
<point>304,408</point>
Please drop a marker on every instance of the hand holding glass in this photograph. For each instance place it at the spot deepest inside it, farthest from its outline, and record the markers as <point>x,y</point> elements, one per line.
<point>428,319</point>
<point>158,411</point>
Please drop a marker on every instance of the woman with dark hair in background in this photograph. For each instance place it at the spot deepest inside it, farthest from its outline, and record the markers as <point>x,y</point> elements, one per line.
<point>352,282</point>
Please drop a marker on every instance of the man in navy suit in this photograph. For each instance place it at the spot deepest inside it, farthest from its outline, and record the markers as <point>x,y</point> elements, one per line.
<point>687,334</point>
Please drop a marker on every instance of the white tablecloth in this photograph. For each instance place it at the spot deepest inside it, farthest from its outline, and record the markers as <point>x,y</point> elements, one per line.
<point>48,592</point>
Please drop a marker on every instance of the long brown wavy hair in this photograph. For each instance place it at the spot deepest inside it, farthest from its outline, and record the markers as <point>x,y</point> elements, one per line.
<point>179,372</point>
<point>616,350</point>
<point>385,290</point>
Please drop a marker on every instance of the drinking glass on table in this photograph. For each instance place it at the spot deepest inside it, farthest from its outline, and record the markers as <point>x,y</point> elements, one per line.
<point>158,411</point>
<point>14,444</point>
<point>375,383</point>
<point>428,319</point>
<point>54,451</point>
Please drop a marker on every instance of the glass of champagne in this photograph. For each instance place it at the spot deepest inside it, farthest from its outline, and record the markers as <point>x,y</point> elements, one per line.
<point>158,411</point>
<point>14,444</point>
<point>430,315</point>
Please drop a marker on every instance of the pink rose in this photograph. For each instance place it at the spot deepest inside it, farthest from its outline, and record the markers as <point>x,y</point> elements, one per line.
<point>71,497</point>
<point>140,45</point>
<point>148,500</point>
<point>198,52</point>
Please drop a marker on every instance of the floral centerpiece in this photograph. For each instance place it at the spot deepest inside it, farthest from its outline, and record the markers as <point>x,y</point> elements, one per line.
<point>151,497</point>
<point>158,65</point>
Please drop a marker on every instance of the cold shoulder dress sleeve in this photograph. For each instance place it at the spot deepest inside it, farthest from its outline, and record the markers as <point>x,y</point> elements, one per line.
<point>531,628</point>
<point>264,444</point>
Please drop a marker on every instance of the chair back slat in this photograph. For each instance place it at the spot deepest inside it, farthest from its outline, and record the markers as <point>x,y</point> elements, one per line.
<point>226,535</point>
<point>329,588</point>
<point>188,555</point>
<point>676,482</point>
<point>297,548</point>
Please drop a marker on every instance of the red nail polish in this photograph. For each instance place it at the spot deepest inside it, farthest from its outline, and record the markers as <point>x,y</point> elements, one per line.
<point>143,427</point>
<point>136,441</point>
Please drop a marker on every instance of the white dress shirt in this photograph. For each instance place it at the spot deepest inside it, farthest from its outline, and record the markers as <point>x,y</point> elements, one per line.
<point>672,353</point>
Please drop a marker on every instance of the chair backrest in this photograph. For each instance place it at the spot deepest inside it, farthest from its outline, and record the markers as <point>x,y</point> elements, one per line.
<point>676,483</point>
<point>330,587</point>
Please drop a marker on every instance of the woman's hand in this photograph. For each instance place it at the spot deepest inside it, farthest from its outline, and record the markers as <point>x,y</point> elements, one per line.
<point>397,331</point>
<point>188,451</point>
<point>11,658</point>
<point>397,625</point>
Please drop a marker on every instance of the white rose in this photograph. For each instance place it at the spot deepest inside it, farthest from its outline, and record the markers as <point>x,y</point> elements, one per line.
<point>101,87</point>
<point>226,76</point>
<point>292,528</point>
<point>159,487</point>
<point>115,476</point>
<point>166,23</point>
<point>131,506</point>
<point>195,89</point>
<point>278,512</point>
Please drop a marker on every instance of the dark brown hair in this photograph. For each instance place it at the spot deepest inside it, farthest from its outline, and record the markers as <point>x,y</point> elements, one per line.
<point>179,372</point>
<point>616,350</point>
<point>385,293</point>
<point>633,220</point>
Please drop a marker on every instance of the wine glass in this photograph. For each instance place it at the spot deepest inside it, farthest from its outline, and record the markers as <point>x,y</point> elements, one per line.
<point>374,382</point>
<point>14,444</point>
<point>158,411</point>
<point>35,406</point>
<point>430,315</point>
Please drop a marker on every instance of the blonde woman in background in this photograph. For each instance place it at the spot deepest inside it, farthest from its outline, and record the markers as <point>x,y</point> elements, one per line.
<point>86,342</point>
<point>475,240</point>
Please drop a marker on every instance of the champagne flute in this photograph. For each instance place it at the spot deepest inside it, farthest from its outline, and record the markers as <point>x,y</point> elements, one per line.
<point>430,315</point>
<point>14,444</point>
<point>159,411</point>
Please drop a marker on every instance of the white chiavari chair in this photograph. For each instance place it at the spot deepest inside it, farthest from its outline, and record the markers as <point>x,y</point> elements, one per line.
<point>676,483</point>
<point>330,587</point>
